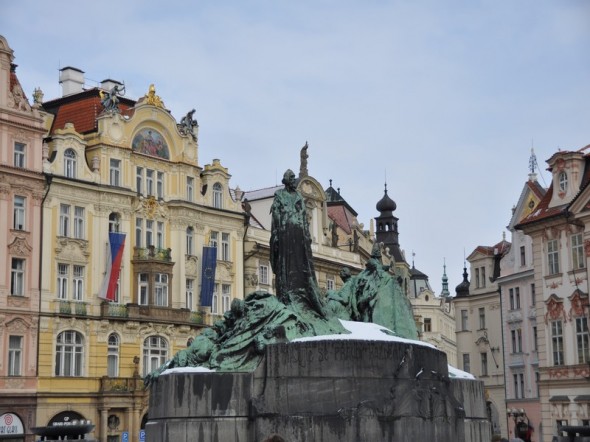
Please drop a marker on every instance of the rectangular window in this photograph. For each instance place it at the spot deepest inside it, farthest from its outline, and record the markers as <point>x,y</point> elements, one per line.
<point>189,240</point>
<point>535,339</point>
<point>160,235</point>
<point>329,283</point>
<point>139,180</point>
<point>537,381</point>
<point>64,220</point>
<point>78,294</point>
<point>482,318</point>
<point>79,222</point>
<point>582,338</point>
<point>511,297</point>
<point>143,289</point>
<point>115,173</point>
<point>518,380</point>
<point>578,259</point>
<point>517,298</point>
<point>464,320</point>
<point>213,239</point>
<point>19,213</point>
<point>225,247</point>
<point>477,284</point>
<point>522,256</point>
<point>160,185</point>
<point>190,188</point>
<point>17,277</point>
<point>533,295</point>
<point>149,232</point>
<point>557,342</point>
<point>552,257</point>
<point>149,182</point>
<point>263,274</point>
<point>427,324</point>
<point>483,276</point>
<point>161,289</point>
<point>519,340</point>
<point>190,283</point>
<point>214,299</point>
<point>62,281</point>
<point>484,363</point>
<point>138,232</point>
<point>226,296</point>
<point>19,154</point>
<point>513,337</point>
<point>15,353</point>
<point>466,364</point>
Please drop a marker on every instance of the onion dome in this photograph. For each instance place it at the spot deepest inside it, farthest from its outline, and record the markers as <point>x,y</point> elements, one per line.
<point>386,204</point>
<point>463,288</point>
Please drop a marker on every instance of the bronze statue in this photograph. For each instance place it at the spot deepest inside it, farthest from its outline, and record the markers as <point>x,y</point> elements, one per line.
<point>188,124</point>
<point>110,99</point>
<point>290,249</point>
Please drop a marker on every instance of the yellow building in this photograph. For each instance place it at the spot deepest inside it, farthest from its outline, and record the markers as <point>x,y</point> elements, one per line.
<point>123,169</point>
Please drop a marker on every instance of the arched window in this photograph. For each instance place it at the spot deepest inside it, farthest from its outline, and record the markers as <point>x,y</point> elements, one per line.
<point>113,356</point>
<point>114,222</point>
<point>189,240</point>
<point>69,354</point>
<point>217,195</point>
<point>155,353</point>
<point>70,163</point>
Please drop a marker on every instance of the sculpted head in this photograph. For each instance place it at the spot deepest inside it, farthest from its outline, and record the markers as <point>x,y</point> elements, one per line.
<point>289,179</point>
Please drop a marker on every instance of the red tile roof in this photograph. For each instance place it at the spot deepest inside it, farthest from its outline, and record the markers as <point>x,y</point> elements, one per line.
<point>339,216</point>
<point>81,110</point>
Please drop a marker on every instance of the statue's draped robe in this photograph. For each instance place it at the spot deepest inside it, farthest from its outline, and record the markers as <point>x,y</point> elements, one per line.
<point>290,253</point>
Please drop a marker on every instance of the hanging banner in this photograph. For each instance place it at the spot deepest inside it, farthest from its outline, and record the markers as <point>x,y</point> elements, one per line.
<point>208,275</point>
<point>114,257</point>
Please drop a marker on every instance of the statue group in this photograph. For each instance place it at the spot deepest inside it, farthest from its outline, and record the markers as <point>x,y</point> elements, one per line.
<point>238,341</point>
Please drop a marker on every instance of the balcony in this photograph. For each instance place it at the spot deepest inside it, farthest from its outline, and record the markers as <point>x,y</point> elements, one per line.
<point>76,308</point>
<point>113,310</point>
<point>152,253</point>
<point>120,385</point>
<point>152,312</point>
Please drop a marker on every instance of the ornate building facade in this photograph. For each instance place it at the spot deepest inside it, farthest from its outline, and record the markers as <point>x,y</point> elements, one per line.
<point>559,229</point>
<point>519,320</point>
<point>22,189</point>
<point>126,191</point>
<point>479,328</point>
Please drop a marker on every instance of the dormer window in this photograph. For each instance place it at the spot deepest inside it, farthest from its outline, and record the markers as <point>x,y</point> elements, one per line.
<point>562,179</point>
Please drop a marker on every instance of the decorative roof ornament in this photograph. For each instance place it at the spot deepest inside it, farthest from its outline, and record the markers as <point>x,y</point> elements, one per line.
<point>188,125</point>
<point>110,99</point>
<point>445,282</point>
<point>303,165</point>
<point>153,99</point>
<point>37,97</point>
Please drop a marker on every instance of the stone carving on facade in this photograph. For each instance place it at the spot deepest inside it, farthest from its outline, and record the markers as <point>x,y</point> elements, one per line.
<point>582,372</point>
<point>38,97</point>
<point>558,373</point>
<point>191,265</point>
<point>110,99</point>
<point>72,249</point>
<point>19,301</point>
<point>19,247</point>
<point>17,99</point>
<point>151,208</point>
<point>17,325</point>
<point>555,309</point>
<point>251,279</point>
<point>551,233</point>
<point>14,383</point>
<point>579,304</point>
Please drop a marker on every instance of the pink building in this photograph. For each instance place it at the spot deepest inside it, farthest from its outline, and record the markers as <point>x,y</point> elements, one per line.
<point>22,188</point>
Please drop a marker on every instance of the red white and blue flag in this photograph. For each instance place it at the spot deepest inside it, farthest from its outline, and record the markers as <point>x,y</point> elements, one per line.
<point>114,257</point>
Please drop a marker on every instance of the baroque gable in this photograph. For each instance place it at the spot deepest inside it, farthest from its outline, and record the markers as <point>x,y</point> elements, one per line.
<point>19,247</point>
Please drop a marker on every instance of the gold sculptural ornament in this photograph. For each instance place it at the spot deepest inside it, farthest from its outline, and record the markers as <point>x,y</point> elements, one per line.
<point>152,98</point>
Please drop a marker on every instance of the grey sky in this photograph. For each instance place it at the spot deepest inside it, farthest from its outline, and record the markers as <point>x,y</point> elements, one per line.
<point>444,98</point>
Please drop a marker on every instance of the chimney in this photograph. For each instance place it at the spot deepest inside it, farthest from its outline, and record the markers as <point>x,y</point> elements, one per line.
<point>71,80</point>
<point>108,84</point>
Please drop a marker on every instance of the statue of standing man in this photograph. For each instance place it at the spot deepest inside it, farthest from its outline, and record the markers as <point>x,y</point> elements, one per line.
<point>290,250</point>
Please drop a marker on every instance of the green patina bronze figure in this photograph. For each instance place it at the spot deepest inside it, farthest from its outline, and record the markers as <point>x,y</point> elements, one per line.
<point>238,341</point>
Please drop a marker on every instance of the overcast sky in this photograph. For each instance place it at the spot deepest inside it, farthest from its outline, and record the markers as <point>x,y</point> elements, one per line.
<point>443,99</point>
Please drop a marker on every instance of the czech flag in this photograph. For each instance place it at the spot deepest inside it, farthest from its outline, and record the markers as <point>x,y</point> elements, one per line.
<point>114,257</point>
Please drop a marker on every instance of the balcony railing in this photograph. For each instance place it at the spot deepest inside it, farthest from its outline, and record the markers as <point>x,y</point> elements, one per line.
<point>152,253</point>
<point>113,310</point>
<point>77,308</point>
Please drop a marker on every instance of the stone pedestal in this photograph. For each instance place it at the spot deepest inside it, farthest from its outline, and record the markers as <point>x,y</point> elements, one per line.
<point>328,391</point>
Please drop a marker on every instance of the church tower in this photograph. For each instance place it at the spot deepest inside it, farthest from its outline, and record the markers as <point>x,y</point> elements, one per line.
<point>387,232</point>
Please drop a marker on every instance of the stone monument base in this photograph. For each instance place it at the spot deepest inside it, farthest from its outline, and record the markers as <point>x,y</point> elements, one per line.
<point>323,390</point>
